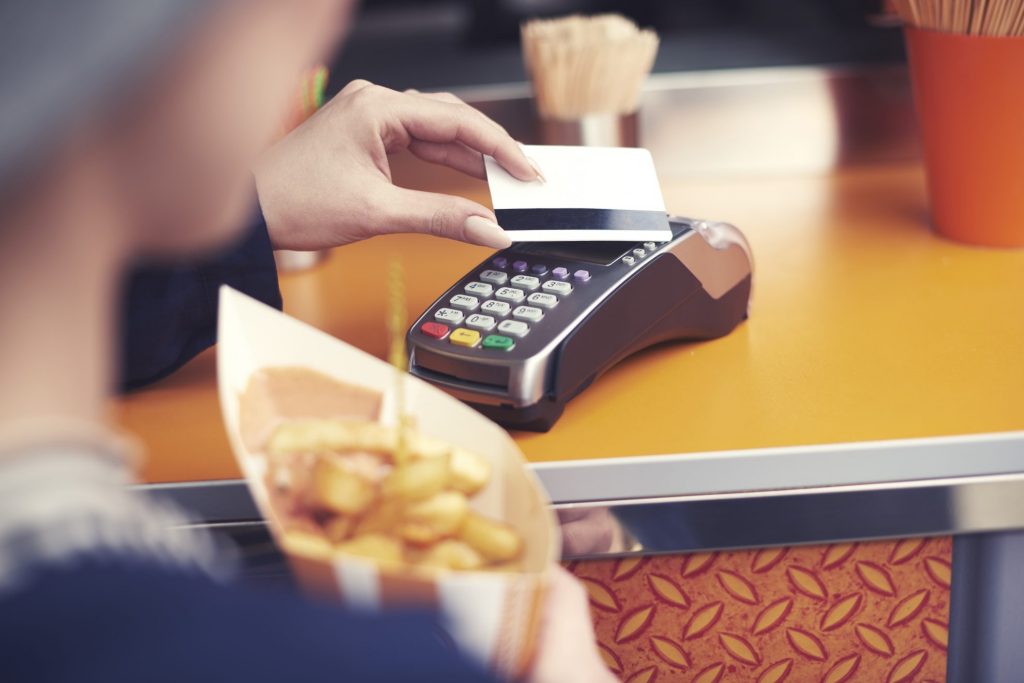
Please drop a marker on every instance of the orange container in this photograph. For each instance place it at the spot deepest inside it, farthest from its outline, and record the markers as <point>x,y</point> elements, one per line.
<point>969,93</point>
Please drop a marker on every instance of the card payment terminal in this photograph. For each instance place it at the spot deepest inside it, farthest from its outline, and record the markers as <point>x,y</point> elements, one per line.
<point>532,326</point>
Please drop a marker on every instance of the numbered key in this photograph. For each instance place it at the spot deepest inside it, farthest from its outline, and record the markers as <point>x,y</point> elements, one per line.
<point>498,308</point>
<point>543,300</point>
<point>529,313</point>
<point>557,287</point>
<point>494,277</point>
<point>448,315</point>
<point>515,328</point>
<point>480,289</point>
<point>480,322</point>
<point>510,294</point>
<point>525,281</point>
<point>465,302</point>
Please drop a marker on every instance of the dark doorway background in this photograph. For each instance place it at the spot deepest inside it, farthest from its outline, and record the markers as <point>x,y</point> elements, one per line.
<point>434,44</point>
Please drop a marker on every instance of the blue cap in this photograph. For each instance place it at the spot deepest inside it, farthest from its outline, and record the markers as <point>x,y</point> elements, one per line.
<point>60,59</point>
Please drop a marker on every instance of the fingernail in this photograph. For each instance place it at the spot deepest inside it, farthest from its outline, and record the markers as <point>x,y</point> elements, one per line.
<point>536,168</point>
<point>533,163</point>
<point>485,232</point>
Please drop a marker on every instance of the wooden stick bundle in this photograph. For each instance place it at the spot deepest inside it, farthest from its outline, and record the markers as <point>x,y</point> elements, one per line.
<point>587,65</point>
<point>970,17</point>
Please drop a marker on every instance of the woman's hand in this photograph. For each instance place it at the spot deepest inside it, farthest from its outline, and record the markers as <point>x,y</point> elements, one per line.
<point>328,182</point>
<point>567,650</point>
<point>586,531</point>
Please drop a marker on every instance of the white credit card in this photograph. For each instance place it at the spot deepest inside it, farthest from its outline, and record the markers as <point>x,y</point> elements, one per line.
<point>590,194</point>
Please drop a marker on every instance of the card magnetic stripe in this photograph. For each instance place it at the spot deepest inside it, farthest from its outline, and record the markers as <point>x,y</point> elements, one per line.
<point>581,219</point>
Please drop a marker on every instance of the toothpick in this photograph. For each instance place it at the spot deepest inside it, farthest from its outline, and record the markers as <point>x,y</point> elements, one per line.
<point>587,65</point>
<point>396,353</point>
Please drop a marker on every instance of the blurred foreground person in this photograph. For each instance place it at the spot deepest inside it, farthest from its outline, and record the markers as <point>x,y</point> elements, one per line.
<point>131,130</point>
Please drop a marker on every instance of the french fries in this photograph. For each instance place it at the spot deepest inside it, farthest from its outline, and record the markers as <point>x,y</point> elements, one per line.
<point>378,547</point>
<point>310,436</point>
<point>437,517</point>
<point>353,498</point>
<point>339,528</point>
<point>338,489</point>
<point>418,479</point>
<point>496,541</point>
<point>307,544</point>
<point>469,472</point>
<point>382,518</point>
<point>452,554</point>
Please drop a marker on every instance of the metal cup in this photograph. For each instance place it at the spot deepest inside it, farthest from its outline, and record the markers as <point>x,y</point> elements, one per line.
<point>292,261</point>
<point>593,130</point>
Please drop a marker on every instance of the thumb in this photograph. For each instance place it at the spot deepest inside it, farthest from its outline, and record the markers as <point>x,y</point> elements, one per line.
<point>443,215</point>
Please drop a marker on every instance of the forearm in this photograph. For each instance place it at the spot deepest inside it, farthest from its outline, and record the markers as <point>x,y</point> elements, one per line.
<point>169,313</point>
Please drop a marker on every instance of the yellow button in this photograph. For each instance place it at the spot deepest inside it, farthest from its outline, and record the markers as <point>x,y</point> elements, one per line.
<point>464,337</point>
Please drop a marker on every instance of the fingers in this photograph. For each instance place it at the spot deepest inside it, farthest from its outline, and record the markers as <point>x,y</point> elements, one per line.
<point>567,652</point>
<point>476,167</point>
<point>591,533</point>
<point>443,215</point>
<point>567,515</point>
<point>437,119</point>
<point>450,98</point>
<point>441,118</point>
<point>453,154</point>
<point>567,585</point>
<point>354,86</point>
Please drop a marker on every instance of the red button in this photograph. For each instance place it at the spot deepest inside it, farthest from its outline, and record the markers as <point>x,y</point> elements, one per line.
<point>435,330</point>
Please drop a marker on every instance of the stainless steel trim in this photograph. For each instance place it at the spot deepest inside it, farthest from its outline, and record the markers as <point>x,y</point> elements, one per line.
<point>780,496</point>
<point>813,516</point>
<point>789,468</point>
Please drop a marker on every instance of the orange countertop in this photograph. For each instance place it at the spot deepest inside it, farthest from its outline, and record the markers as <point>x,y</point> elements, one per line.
<point>864,325</point>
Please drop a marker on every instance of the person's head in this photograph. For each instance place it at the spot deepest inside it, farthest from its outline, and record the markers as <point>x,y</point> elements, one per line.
<point>165,102</point>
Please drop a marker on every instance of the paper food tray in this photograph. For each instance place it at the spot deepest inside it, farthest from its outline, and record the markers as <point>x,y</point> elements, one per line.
<point>493,615</point>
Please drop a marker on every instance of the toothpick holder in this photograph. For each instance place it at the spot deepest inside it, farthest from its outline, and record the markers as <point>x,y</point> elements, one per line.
<point>969,109</point>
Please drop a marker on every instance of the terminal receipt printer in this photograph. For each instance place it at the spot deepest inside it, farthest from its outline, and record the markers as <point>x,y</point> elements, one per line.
<point>535,324</point>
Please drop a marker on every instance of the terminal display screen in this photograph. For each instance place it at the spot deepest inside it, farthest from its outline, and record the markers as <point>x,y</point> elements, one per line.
<point>599,253</point>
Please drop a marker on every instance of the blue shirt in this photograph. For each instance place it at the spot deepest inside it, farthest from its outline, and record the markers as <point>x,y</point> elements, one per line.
<point>169,312</point>
<point>97,585</point>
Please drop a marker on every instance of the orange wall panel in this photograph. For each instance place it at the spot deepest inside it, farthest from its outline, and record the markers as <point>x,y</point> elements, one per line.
<point>831,614</point>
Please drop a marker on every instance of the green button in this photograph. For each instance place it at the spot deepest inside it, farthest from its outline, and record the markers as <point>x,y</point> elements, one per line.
<point>497,341</point>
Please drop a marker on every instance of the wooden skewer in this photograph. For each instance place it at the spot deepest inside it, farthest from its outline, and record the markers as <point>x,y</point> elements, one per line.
<point>397,355</point>
<point>983,20</point>
<point>992,18</point>
<point>970,17</point>
<point>1018,24</point>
